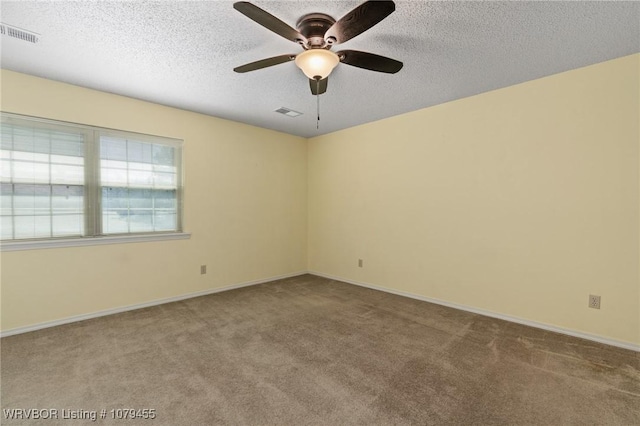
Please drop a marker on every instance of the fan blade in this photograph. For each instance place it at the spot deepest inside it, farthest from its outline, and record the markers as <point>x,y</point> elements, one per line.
<point>359,20</point>
<point>318,89</point>
<point>369,61</point>
<point>269,21</point>
<point>263,63</point>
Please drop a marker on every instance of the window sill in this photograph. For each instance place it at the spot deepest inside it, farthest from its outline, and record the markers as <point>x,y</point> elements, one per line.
<point>90,241</point>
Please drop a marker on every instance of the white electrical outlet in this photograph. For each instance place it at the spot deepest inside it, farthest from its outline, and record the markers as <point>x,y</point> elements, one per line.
<point>203,269</point>
<point>594,301</point>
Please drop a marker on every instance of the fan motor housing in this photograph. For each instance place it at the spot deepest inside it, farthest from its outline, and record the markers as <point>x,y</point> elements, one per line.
<point>314,26</point>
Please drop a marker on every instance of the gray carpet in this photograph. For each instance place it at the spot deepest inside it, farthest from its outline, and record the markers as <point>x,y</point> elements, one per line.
<point>308,350</point>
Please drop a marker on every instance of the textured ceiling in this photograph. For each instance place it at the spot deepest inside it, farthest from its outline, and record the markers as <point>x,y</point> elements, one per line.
<point>182,53</point>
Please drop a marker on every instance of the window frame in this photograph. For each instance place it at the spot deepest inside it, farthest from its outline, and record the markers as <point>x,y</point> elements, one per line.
<point>93,233</point>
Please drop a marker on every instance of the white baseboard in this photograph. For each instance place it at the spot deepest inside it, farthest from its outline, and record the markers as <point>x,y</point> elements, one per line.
<point>582,335</point>
<point>76,318</point>
<point>82,317</point>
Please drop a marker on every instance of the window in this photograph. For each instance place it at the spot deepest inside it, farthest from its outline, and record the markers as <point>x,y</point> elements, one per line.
<point>61,180</point>
<point>138,186</point>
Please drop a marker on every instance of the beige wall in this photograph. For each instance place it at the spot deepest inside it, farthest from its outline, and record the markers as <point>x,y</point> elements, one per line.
<point>245,205</point>
<point>521,201</point>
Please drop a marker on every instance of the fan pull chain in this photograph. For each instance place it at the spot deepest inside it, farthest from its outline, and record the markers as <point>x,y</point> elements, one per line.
<point>318,103</point>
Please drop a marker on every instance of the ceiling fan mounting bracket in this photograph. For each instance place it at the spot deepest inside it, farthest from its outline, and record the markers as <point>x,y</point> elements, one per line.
<point>314,26</point>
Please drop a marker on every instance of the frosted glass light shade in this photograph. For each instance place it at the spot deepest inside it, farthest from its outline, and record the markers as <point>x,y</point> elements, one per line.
<point>317,62</point>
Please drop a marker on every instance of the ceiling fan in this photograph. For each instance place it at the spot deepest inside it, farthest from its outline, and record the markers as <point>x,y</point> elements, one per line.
<point>317,33</point>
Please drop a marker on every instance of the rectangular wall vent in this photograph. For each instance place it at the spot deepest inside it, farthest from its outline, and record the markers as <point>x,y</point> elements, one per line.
<point>11,31</point>
<point>288,112</point>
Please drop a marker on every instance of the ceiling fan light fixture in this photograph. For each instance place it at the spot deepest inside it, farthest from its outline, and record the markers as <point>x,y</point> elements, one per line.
<point>316,63</point>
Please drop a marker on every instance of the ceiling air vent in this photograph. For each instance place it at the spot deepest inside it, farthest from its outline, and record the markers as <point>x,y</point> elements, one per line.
<point>288,112</point>
<point>10,31</point>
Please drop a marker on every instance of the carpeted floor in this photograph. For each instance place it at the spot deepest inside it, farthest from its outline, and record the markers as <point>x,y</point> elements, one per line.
<point>308,350</point>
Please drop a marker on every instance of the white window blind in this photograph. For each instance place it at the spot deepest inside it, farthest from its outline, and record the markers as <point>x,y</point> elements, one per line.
<point>63,180</point>
<point>42,178</point>
<point>139,186</point>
